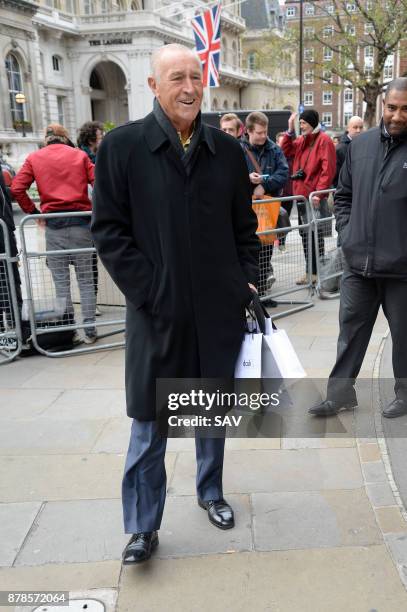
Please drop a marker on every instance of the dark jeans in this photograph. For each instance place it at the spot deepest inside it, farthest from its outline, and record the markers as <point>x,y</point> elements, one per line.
<point>265,267</point>
<point>288,206</point>
<point>302,219</point>
<point>7,317</point>
<point>360,301</point>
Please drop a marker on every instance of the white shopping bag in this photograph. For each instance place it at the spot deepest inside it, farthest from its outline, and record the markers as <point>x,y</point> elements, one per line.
<point>248,364</point>
<point>279,359</point>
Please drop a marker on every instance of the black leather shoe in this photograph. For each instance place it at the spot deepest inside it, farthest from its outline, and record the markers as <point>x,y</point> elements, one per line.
<point>330,408</point>
<point>220,513</point>
<point>140,547</point>
<point>396,408</point>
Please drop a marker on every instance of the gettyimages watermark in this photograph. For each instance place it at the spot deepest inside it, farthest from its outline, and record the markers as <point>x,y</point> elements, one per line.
<point>272,408</point>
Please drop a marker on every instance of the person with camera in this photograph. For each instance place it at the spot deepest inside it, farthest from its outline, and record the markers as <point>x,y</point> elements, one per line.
<point>268,173</point>
<point>314,168</point>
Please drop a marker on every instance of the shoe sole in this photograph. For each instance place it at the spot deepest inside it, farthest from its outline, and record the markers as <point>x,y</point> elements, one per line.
<point>333,413</point>
<point>393,416</point>
<point>138,561</point>
<point>223,527</point>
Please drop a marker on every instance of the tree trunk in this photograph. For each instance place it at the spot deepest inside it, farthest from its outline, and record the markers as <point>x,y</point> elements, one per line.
<point>370,97</point>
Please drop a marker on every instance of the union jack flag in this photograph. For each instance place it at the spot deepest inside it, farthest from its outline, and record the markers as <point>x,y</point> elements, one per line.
<point>206,29</point>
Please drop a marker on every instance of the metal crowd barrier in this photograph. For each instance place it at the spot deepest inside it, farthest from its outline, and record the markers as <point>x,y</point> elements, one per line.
<point>286,271</point>
<point>10,322</point>
<point>329,260</point>
<point>64,286</point>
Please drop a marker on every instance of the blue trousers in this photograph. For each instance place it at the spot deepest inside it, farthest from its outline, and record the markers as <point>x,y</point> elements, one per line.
<point>145,480</point>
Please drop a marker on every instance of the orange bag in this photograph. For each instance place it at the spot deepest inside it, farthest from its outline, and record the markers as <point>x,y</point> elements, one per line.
<point>267,215</point>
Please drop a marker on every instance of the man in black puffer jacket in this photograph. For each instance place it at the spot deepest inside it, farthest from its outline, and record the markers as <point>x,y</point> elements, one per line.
<point>371,220</point>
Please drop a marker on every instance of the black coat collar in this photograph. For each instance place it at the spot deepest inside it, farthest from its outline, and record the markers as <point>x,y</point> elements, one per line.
<point>156,137</point>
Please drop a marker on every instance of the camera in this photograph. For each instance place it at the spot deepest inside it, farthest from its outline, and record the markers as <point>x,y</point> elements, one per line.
<point>299,175</point>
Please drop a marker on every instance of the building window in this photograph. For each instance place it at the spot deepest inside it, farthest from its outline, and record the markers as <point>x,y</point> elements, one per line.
<point>290,12</point>
<point>309,10</point>
<point>369,29</point>
<point>369,51</point>
<point>346,117</point>
<point>309,32</point>
<point>89,7</point>
<point>308,98</point>
<point>369,5</point>
<point>350,7</point>
<point>309,77</point>
<point>56,63</point>
<point>388,71</point>
<point>327,76</point>
<point>328,54</point>
<point>348,96</point>
<point>15,86</point>
<point>61,109</point>
<point>252,60</point>
<point>327,31</point>
<point>351,30</point>
<point>309,54</point>
<point>330,9</point>
<point>327,97</point>
<point>327,119</point>
<point>224,51</point>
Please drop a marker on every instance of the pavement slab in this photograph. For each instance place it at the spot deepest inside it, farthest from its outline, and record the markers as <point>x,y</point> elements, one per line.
<point>291,581</point>
<point>280,522</point>
<point>186,530</point>
<point>67,477</point>
<point>80,531</point>
<point>280,470</point>
<point>87,404</point>
<point>27,403</point>
<point>48,436</point>
<point>380,494</point>
<point>66,576</point>
<point>115,436</point>
<point>15,523</point>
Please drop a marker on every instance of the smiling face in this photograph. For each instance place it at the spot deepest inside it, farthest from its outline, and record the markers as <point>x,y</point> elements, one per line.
<point>395,112</point>
<point>177,85</point>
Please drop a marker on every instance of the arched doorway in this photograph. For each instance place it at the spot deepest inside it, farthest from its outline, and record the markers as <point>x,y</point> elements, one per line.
<point>109,102</point>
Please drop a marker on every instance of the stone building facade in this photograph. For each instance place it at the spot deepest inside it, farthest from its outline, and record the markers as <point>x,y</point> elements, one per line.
<point>77,60</point>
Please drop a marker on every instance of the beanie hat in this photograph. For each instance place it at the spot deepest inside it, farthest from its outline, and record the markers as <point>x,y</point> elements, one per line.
<point>311,117</point>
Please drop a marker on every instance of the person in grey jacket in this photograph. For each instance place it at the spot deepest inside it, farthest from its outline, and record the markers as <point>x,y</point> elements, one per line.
<point>371,217</point>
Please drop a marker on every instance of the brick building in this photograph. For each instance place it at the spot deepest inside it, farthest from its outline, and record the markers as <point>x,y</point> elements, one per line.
<point>334,99</point>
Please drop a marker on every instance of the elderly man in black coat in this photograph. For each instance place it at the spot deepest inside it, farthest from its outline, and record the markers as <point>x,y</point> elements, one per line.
<point>174,226</point>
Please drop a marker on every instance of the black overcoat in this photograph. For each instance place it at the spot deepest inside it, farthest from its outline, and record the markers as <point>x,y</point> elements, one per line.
<point>182,249</point>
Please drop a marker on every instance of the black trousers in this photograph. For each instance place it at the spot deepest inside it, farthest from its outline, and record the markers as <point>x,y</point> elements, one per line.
<point>303,219</point>
<point>360,301</point>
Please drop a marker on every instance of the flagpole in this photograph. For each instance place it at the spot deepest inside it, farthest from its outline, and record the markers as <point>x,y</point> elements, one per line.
<point>208,98</point>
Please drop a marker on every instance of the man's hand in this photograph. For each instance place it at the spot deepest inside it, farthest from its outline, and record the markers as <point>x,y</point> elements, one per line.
<point>253,288</point>
<point>41,223</point>
<point>255,178</point>
<point>316,200</point>
<point>291,122</point>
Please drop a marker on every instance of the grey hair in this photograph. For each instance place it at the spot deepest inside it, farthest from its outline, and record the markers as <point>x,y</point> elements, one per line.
<point>399,84</point>
<point>158,54</point>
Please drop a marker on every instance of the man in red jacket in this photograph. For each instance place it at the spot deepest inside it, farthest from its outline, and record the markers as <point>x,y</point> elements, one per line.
<point>314,167</point>
<point>62,174</point>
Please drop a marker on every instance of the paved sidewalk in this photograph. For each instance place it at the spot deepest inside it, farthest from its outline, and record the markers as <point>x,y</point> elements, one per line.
<point>314,516</point>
